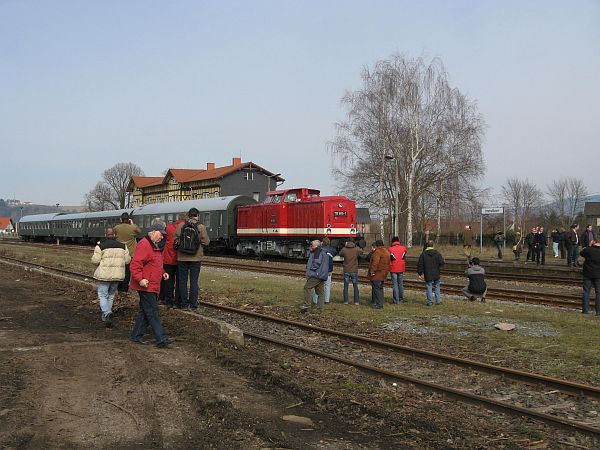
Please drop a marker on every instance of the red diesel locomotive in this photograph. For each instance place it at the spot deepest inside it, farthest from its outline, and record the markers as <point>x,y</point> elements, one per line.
<point>286,222</point>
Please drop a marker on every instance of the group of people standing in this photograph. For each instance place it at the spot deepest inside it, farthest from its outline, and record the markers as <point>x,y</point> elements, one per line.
<point>154,267</point>
<point>565,244</point>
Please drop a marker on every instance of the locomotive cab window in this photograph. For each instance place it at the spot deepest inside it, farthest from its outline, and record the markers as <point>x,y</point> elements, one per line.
<point>291,197</point>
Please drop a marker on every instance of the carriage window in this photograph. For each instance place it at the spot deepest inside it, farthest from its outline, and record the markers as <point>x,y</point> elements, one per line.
<point>277,198</point>
<point>221,219</point>
<point>206,219</point>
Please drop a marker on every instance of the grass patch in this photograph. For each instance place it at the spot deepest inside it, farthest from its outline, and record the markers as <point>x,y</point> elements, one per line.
<point>552,341</point>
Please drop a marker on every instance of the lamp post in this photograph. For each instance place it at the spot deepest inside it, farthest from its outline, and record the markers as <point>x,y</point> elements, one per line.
<point>57,205</point>
<point>395,222</point>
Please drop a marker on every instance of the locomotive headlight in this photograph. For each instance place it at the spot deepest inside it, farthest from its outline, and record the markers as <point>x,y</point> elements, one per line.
<point>328,225</point>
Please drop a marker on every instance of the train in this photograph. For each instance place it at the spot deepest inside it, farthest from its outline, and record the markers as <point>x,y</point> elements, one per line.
<point>282,225</point>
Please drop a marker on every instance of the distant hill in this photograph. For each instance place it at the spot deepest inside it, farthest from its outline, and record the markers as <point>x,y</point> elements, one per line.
<point>15,212</point>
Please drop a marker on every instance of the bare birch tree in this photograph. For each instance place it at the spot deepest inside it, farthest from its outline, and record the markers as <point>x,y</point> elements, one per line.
<point>406,131</point>
<point>111,191</point>
<point>576,193</point>
<point>557,192</point>
<point>523,197</point>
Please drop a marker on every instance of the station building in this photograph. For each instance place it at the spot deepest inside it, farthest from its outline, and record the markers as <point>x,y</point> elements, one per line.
<point>239,178</point>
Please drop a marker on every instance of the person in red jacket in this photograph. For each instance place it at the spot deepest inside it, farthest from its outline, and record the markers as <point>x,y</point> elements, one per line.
<point>146,274</point>
<point>169,289</point>
<point>397,269</point>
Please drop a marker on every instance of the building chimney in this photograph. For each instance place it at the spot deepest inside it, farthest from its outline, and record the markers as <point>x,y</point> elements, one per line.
<point>236,161</point>
<point>210,166</point>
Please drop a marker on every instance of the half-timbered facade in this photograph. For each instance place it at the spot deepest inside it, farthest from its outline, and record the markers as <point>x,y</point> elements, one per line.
<point>239,178</point>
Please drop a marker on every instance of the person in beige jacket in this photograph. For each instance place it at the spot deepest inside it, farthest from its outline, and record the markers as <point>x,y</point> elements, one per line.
<point>190,237</point>
<point>111,256</point>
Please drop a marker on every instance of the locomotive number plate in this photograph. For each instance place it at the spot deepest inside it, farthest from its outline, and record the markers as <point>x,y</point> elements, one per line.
<point>340,213</point>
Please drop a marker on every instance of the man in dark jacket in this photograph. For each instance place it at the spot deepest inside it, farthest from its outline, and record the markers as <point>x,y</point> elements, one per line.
<point>477,286</point>
<point>572,244</point>
<point>588,236</point>
<point>499,241</point>
<point>428,268</point>
<point>379,267</point>
<point>317,271</point>
<point>591,276</point>
<point>350,253</point>
<point>540,242</point>
<point>529,242</point>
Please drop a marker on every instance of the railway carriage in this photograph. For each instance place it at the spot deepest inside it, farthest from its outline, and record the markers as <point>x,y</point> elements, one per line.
<point>96,223</point>
<point>217,214</point>
<point>37,226</point>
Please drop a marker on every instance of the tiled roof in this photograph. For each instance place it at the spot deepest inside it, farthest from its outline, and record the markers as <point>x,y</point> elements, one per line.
<point>189,175</point>
<point>142,182</point>
<point>5,223</point>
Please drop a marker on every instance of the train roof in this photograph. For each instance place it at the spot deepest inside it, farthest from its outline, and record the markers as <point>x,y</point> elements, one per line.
<point>111,213</point>
<point>39,217</point>
<point>204,204</point>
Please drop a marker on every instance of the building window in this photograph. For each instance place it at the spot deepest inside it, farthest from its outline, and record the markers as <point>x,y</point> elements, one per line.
<point>256,195</point>
<point>248,176</point>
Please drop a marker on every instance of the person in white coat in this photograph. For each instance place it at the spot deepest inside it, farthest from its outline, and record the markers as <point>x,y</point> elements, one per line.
<point>111,256</point>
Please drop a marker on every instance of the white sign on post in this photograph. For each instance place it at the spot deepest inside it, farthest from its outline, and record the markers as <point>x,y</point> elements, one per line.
<point>492,210</point>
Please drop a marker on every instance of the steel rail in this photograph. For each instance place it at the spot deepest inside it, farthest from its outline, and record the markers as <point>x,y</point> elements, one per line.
<point>569,387</point>
<point>549,298</point>
<point>450,392</point>
<point>534,276</point>
<point>565,386</point>
<point>447,391</point>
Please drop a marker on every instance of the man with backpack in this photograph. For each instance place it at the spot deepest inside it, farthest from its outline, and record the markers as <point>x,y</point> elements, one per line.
<point>190,236</point>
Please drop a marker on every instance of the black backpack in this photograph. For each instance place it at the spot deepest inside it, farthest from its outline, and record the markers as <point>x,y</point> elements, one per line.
<point>189,240</point>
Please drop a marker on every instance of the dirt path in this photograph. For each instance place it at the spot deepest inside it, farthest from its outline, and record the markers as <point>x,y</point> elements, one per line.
<point>68,382</point>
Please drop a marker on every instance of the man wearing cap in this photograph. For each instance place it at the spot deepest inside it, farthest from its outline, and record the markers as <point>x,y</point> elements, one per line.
<point>126,233</point>
<point>146,275</point>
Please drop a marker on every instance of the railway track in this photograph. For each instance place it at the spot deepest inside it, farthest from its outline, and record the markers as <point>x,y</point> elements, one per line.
<point>539,298</point>
<point>572,301</point>
<point>349,349</point>
<point>495,270</point>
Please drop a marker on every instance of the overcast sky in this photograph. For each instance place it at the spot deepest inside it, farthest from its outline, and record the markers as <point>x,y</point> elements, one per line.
<point>87,84</point>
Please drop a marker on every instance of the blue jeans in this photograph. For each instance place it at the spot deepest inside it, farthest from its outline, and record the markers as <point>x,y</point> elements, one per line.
<point>327,291</point>
<point>587,288</point>
<point>148,315</point>
<point>398,286</point>
<point>377,298</point>
<point>430,293</point>
<point>189,269</point>
<point>106,295</point>
<point>354,277</point>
